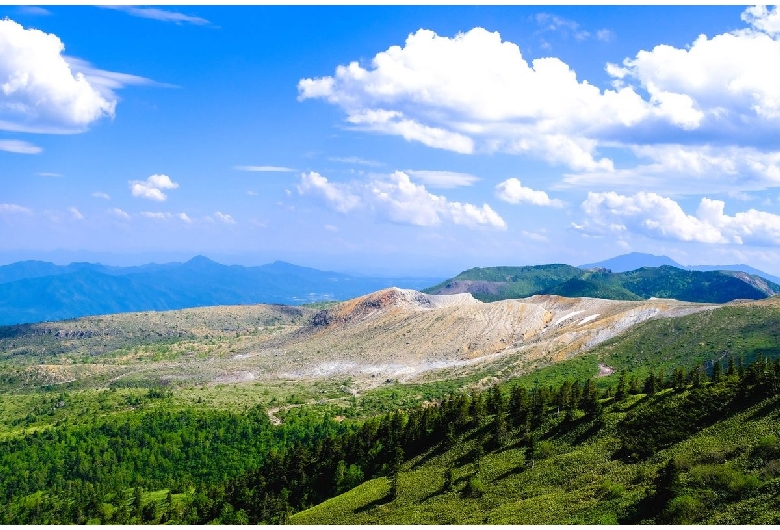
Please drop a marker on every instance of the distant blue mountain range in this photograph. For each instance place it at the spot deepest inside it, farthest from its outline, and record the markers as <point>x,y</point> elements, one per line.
<point>34,291</point>
<point>636,260</point>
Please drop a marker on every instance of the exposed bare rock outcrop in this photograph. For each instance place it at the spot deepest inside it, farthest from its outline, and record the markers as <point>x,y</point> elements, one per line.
<point>402,334</point>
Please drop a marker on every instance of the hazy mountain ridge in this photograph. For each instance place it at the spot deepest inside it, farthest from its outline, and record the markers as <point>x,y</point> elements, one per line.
<point>637,260</point>
<point>36,291</point>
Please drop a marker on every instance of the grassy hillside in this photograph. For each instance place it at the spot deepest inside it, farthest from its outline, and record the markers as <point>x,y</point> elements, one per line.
<point>738,331</point>
<point>498,283</point>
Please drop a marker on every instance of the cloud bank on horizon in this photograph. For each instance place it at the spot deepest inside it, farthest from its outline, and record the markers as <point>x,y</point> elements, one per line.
<point>649,149</point>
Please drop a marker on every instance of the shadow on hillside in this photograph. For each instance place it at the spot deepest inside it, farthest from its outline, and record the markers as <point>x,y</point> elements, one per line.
<point>438,450</point>
<point>519,468</point>
<point>765,410</point>
<point>375,503</point>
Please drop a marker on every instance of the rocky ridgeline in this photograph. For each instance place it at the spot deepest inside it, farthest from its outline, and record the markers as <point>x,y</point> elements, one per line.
<point>380,302</point>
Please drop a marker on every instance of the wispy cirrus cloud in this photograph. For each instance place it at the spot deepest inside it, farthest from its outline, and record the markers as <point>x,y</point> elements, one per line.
<point>19,146</point>
<point>265,169</point>
<point>355,160</point>
<point>35,11</point>
<point>163,15</point>
<point>107,81</point>
<point>443,179</point>
<point>6,208</point>
<point>550,22</point>
<point>101,195</point>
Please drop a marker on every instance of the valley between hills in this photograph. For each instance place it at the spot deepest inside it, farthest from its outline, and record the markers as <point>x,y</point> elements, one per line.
<point>404,406</point>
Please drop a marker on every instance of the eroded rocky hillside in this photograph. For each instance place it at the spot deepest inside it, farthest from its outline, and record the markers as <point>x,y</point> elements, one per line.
<point>394,334</point>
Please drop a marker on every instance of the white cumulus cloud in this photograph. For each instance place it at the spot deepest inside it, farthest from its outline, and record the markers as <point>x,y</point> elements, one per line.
<point>512,191</point>
<point>101,195</point>
<point>763,18</point>
<point>162,216</point>
<point>475,92</point>
<point>38,90</point>
<point>397,199</point>
<point>718,81</point>
<point>121,214</point>
<point>661,217</point>
<point>225,218</point>
<point>337,196</point>
<point>714,102</point>
<point>685,169</point>
<point>152,187</point>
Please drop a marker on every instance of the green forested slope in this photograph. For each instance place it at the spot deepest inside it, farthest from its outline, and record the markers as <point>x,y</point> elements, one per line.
<point>701,453</point>
<point>512,282</point>
<point>497,283</point>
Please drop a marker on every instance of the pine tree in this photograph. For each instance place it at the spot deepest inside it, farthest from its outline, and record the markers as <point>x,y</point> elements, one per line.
<point>633,386</point>
<point>499,429</point>
<point>716,374</point>
<point>395,468</point>
<point>696,377</point>
<point>650,386</point>
<point>448,479</point>
<point>679,378</point>
<point>496,403</point>
<point>590,398</point>
<point>519,405</point>
<point>449,438</point>
<point>620,391</point>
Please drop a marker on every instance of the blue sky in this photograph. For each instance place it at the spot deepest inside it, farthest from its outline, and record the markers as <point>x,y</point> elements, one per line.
<point>390,140</point>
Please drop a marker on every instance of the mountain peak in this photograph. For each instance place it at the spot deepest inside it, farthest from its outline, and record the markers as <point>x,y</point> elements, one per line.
<point>633,261</point>
<point>201,260</point>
